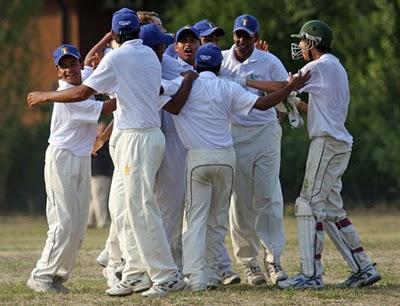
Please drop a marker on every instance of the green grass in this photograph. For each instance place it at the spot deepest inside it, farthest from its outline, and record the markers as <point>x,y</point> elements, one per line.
<point>22,239</point>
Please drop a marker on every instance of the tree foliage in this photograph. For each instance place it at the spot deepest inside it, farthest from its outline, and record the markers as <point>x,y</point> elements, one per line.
<point>16,48</point>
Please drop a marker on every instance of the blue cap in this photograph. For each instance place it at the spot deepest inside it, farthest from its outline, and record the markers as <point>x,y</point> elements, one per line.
<point>209,55</point>
<point>125,21</point>
<point>246,23</point>
<point>152,35</point>
<point>206,28</point>
<point>185,30</point>
<point>64,50</point>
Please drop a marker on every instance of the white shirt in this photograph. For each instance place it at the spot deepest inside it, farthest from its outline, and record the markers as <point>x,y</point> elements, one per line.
<point>73,125</point>
<point>203,123</point>
<point>260,65</point>
<point>329,98</point>
<point>171,69</point>
<point>133,73</point>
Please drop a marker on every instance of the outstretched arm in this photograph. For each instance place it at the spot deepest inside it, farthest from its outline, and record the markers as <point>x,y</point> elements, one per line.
<point>175,105</point>
<point>73,94</point>
<point>266,85</point>
<point>276,97</point>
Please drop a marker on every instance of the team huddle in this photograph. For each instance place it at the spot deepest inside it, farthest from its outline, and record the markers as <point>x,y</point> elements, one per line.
<point>195,143</point>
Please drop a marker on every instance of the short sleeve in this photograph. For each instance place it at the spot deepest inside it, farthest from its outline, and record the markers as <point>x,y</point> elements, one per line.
<point>104,78</point>
<point>242,101</point>
<point>315,83</point>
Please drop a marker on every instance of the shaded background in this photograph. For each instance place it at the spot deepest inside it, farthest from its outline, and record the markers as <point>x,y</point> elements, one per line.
<point>367,40</point>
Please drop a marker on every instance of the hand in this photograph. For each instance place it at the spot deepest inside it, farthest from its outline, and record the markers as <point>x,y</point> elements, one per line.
<point>298,80</point>
<point>98,144</point>
<point>262,45</point>
<point>35,98</point>
<point>94,60</point>
<point>190,75</point>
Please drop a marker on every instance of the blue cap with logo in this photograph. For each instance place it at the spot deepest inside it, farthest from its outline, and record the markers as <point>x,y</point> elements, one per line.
<point>152,35</point>
<point>185,30</point>
<point>64,50</point>
<point>206,28</point>
<point>209,55</point>
<point>246,23</point>
<point>125,21</point>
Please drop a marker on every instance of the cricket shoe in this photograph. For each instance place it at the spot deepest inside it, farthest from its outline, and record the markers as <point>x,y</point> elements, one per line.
<point>365,277</point>
<point>102,259</point>
<point>39,286</point>
<point>230,278</point>
<point>110,274</point>
<point>162,289</point>
<point>137,284</point>
<point>58,284</point>
<point>302,282</point>
<point>275,272</point>
<point>254,276</point>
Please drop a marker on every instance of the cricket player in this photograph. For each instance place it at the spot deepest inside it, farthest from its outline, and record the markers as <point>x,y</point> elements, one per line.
<point>256,212</point>
<point>319,208</point>
<point>208,32</point>
<point>203,126</point>
<point>133,73</point>
<point>67,174</point>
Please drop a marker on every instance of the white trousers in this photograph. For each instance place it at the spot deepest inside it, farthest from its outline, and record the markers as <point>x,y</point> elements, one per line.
<point>98,209</point>
<point>170,193</point>
<point>137,156</point>
<point>326,162</point>
<point>209,184</point>
<point>256,212</point>
<point>67,179</point>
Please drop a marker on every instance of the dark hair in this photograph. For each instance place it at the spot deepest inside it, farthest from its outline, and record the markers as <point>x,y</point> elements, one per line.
<point>121,38</point>
<point>215,69</point>
<point>323,49</point>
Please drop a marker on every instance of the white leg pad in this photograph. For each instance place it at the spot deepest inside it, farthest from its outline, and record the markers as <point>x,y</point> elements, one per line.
<point>336,237</point>
<point>306,235</point>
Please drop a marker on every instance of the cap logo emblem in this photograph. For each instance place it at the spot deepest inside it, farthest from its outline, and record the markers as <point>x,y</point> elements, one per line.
<point>205,57</point>
<point>245,21</point>
<point>64,50</point>
<point>124,22</point>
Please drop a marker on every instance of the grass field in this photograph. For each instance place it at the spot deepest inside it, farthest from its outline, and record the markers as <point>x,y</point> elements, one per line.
<point>21,241</point>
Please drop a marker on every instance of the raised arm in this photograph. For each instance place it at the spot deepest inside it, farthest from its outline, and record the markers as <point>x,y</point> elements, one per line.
<point>96,53</point>
<point>175,105</point>
<point>73,94</point>
<point>276,97</point>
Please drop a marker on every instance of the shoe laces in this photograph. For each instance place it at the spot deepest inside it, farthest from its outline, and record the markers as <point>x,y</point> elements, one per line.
<point>274,266</point>
<point>253,270</point>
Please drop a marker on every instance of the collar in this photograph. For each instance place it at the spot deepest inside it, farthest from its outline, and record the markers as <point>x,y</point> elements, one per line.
<point>132,42</point>
<point>207,74</point>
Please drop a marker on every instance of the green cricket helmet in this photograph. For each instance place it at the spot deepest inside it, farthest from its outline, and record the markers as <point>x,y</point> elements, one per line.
<point>315,33</point>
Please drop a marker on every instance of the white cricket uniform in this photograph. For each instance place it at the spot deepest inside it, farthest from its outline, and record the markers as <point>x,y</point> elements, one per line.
<point>256,212</point>
<point>133,73</point>
<point>170,179</point>
<point>67,178</point>
<point>329,151</point>
<point>203,127</point>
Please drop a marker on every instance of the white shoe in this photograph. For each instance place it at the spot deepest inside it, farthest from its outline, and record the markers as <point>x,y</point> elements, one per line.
<point>126,287</point>
<point>110,274</point>
<point>230,278</point>
<point>254,276</point>
<point>39,286</point>
<point>365,277</point>
<point>275,272</point>
<point>301,282</point>
<point>160,290</point>
<point>102,259</point>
